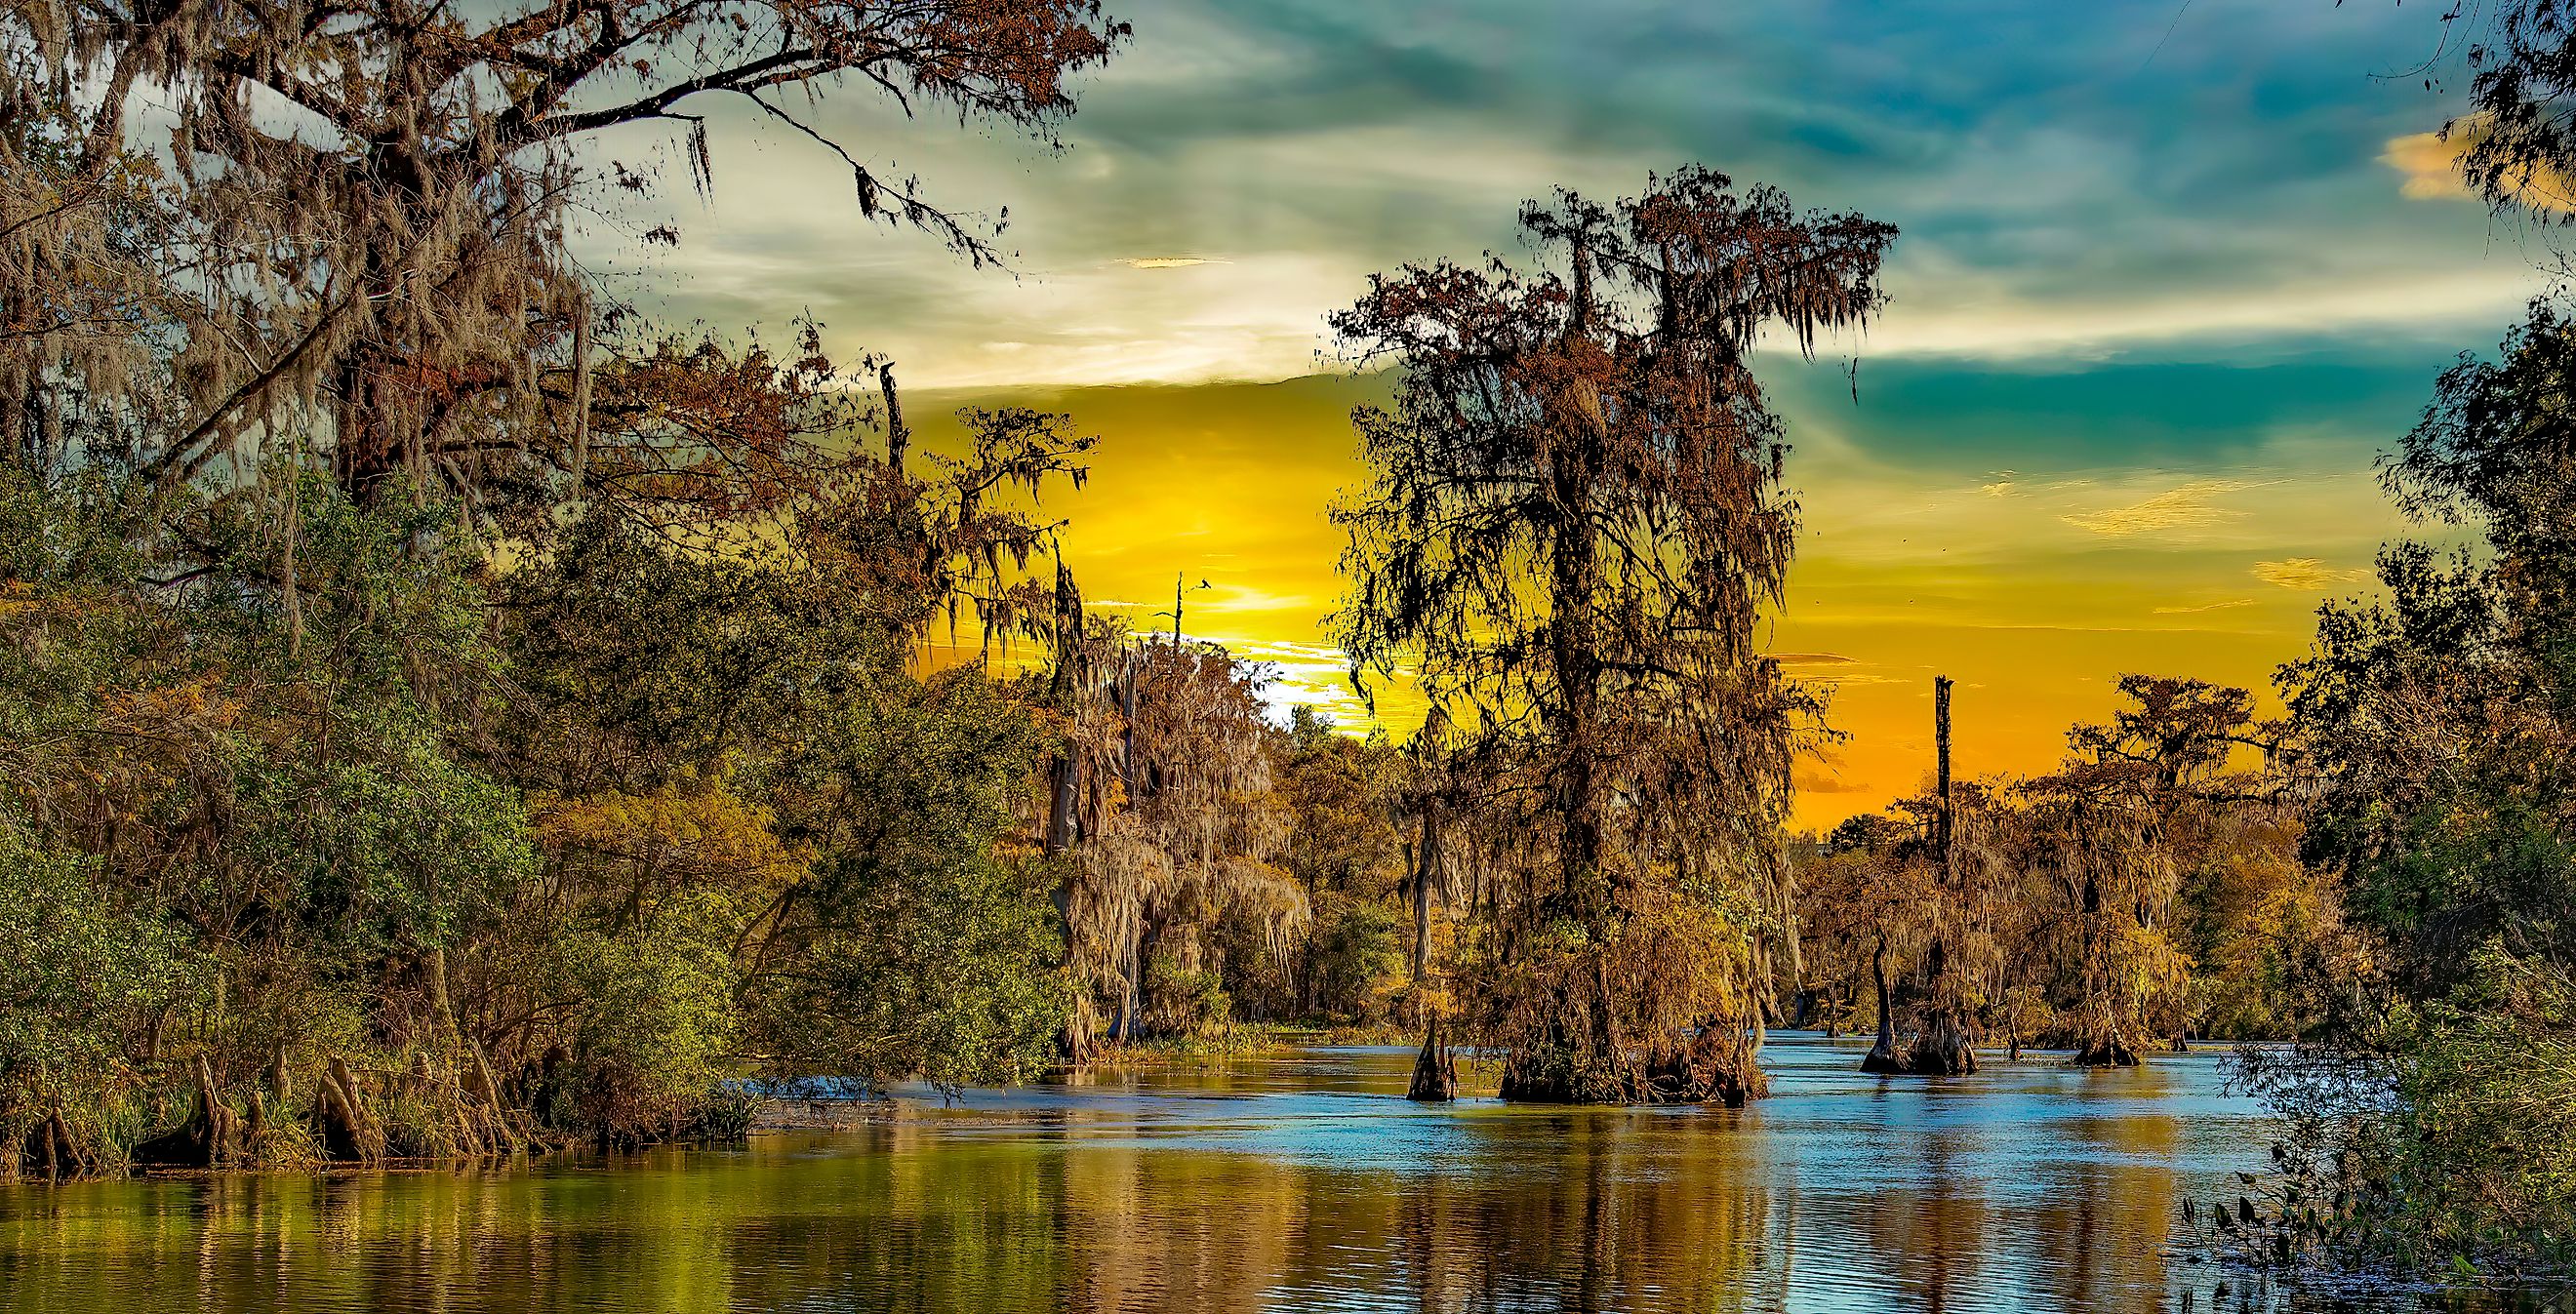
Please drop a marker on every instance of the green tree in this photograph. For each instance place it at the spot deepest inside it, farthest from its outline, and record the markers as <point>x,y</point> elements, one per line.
<point>86,978</point>
<point>2437,721</point>
<point>2433,729</point>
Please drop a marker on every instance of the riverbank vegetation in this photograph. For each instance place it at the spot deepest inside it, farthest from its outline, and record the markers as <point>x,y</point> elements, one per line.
<point>2385,875</point>
<point>442,711</point>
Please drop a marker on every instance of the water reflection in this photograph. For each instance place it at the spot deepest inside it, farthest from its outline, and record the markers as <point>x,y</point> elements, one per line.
<point>1298,1182</point>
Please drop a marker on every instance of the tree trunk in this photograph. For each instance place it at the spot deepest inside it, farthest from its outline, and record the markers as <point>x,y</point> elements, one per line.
<point>1131,1007</point>
<point>504,1137</point>
<point>1122,1024</point>
<point>1717,1063</point>
<point>1435,1071</point>
<point>1575,1057</point>
<point>48,1148</point>
<point>897,436</point>
<point>1426,867</point>
<point>1060,806</point>
<point>1883,1057</point>
<point>349,1133</point>
<point>1946,1048</point>
<point>1079,1039</point>
<point>2106,1052</point>
<point>206,1140</point>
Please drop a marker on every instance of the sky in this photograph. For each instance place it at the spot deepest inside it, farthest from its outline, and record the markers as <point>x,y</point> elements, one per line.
<point>2171,275</point>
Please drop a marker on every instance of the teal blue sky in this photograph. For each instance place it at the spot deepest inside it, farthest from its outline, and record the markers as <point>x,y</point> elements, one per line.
<point>2075,181</point>
<point>2170,276</point>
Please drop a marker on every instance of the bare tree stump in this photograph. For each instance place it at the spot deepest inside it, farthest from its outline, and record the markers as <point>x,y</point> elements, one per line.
<point>208,1139</point>
<point>1944,1050</point>
<point>2107,1053</point>
<point>1435,1072</point>
<point>348,1133</point>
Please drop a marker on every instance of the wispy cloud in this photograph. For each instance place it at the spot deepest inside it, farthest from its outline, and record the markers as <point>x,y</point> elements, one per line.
<point>2190,506</point>
<point>2430,163</point>
<point>1827,774</point>
<point>1816,781</point>
<point>1166,262</point>
<point>1307,674</point>
<point>2305,573</point>
<point>2206,606</point>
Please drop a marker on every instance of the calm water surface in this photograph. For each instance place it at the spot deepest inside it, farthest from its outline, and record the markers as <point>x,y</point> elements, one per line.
<point>1298,1181</point>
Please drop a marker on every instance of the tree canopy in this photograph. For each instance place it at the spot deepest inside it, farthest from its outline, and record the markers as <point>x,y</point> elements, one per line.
<point>1573,523</point>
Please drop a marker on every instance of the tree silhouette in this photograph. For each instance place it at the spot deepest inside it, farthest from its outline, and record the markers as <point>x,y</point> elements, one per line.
<point>1574,523</point>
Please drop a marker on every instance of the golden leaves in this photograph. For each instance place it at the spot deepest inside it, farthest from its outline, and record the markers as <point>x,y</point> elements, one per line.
<point>709,834</point>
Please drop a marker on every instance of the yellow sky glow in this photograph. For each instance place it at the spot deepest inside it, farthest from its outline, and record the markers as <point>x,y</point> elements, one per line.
<point>2035,594</point>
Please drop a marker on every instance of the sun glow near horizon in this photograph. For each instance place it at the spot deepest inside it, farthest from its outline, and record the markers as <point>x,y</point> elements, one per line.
<point>2035,587</point>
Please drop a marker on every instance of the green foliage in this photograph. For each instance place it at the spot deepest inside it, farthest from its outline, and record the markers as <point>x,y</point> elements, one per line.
<point>83,978</point>
<point>2439,725</point>
<point>943,974</point>
<point>658,1021</point>
<point>1183,1000</point>
<point>2445,1151</point>
<point>1356,956</point>
<point>1346,847</point>
<point>2440,719</point>
<point>665,820</point>
<point>485,717</point>
<point>2482,1161</point>
<point>746,724</point>
<point>1343,793</point>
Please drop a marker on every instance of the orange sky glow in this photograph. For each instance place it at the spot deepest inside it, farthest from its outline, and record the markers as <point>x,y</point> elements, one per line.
<point>2035,594</point>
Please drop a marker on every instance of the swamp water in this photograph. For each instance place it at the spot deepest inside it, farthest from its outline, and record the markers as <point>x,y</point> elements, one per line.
<point>1291,1181</point>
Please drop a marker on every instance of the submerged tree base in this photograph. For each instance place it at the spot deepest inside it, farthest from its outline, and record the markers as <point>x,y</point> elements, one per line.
<point>2107,1054</point>
<point>1435,1072</point>
<point>1733,1092</point>
<point>205,1140</point>
<point>1708,1070</point>
<point>1929,1062</point>
<point>1944,1050</point>
<point>1923,1061</point>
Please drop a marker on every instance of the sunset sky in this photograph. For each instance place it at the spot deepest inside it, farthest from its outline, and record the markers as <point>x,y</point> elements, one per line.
<point>2171,276</point>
